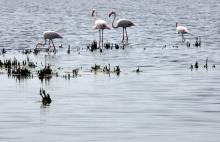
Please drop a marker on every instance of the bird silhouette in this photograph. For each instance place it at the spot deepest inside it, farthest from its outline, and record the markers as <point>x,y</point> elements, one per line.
<point>50,35</point>
<point>100,25</point>
<point>123,23</point>
<point>181,30</point>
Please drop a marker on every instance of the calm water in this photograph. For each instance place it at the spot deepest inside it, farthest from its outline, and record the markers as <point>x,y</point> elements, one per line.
<point>165,102</point>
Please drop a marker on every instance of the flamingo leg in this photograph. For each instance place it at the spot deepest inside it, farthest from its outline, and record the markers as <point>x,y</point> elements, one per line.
<point>49,44</point>
<point>123,36</point>
<point>53,46</point>
<point>102,38</point>
<point>126,34</point>
<point>99,37</point>
<point>183,39</point>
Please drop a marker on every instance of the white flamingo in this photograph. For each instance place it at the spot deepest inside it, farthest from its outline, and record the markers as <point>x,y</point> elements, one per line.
<point>99,24</point>
<point>50,35</point>
<point>181,30</point>
<point>121,23</point>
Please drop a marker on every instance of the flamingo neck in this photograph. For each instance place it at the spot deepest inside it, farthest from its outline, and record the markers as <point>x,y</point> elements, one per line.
<point>93,22</point>
<point>114,21</point>
<point>42,43</point>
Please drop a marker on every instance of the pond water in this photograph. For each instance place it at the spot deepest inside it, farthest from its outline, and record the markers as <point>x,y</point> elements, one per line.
<point>166,101</point>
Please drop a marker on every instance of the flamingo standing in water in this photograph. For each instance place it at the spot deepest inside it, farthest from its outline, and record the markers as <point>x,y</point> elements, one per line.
<point>121,23</point>
<point>181,30</point>
<point>50,35</point>
<point>99,24</point>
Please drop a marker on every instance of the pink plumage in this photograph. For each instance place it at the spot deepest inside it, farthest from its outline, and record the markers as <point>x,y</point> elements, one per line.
<point>181,30</point>
<point>100,25</point>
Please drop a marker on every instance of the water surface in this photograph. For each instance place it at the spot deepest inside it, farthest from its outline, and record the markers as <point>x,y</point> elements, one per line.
<point>165,102</point>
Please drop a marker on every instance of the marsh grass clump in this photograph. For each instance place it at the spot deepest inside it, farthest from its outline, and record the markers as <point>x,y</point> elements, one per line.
<point>107,45</point>
<point>21,72</point>
<point>36,51</point>
<point>75,72</point>
<point>93,46</point>
<point>68,50</point>
<point>3,51</point>
<point>196,65</point>
<point>45,72</point>
<point>31,64</point>
<point>206,65</point>
<point>46,100</point>
<point>27,51</point>
<point>116,46</point>
<point>95,68</point>
<point>15,68</point>
<point>198,42</point>
<point>137,70</point>
<point>107,69</point>
<point>8,63</point>
<point>117,70</point>
<point>187,44</point>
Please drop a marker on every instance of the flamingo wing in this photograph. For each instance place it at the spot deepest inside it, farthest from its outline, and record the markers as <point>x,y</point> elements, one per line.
<point>124,23</point>
<point>101,24</point>
<point>182,30</point>
<point>51,35</point>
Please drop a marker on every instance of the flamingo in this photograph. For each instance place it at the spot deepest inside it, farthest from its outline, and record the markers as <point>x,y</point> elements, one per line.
<point>181,30</point>
<point>99,24</point>
<point>50,35</point>
<point>121,23</point>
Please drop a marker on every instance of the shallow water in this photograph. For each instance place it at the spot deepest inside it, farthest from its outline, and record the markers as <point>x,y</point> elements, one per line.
<point>165,102</point>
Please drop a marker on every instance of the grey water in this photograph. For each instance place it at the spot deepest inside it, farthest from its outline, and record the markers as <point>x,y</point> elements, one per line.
<point>166,101</point>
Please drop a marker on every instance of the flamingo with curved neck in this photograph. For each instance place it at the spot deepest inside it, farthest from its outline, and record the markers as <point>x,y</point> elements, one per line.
<point>50,35</point>
<point>99,24</point>
<point>124,23</point>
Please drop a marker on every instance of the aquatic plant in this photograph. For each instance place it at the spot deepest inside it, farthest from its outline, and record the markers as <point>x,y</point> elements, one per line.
<point>45,72</point>
<point>75,72</point>
<point>95,67</point>
<point>68,51</point>
<point>21,71</point>
<point>117,70</point>
<point>46,100</point>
